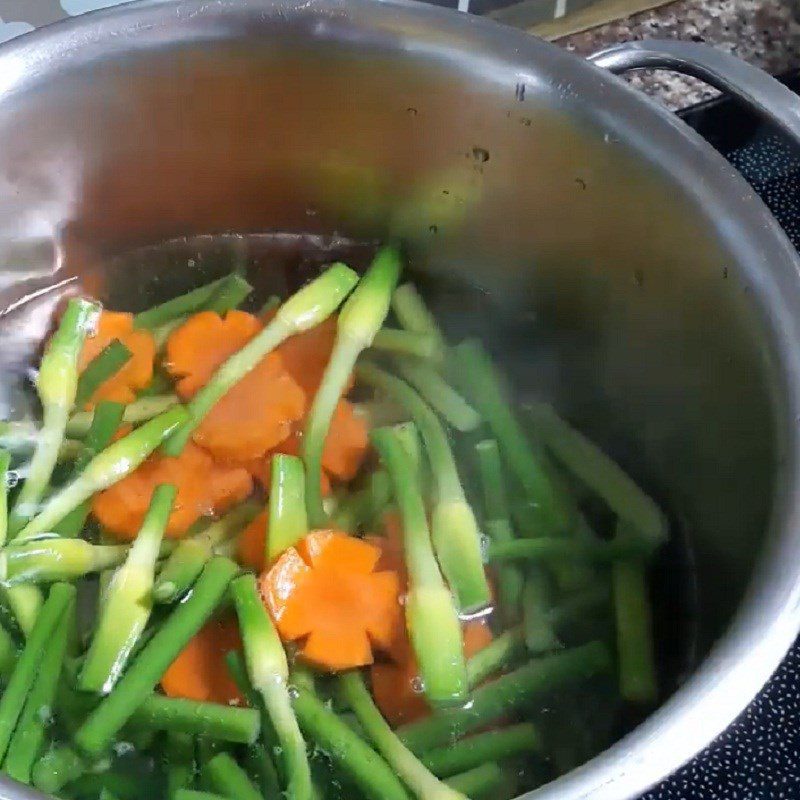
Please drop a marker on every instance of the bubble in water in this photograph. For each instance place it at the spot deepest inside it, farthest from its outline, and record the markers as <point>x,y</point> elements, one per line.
<point>417,685</point>
<point>191,262</point>
<point>485,541</point>
<point>123,748</point>
<point>294,692</point>
<point>12,478</point>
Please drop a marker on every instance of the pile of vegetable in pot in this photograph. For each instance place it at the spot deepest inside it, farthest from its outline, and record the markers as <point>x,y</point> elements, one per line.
<point>311,551</point>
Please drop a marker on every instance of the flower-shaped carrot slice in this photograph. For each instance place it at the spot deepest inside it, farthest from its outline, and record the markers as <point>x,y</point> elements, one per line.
<point>132,376</point>
<point>259,411</point>
<point>325,593</point>
<point>200,672</point>
<point>203,488</point>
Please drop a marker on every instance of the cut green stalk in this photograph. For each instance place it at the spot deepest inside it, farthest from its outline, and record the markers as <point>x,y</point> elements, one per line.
<point>128,600</point>
<point>269,672</point>
<point>603,476</point>
<point>359,320</point>
<point>25,602</point>
<point>442,397</point>
<point>56,385</point>
<point>455,531</point>
<point>8,654</point>
<point>187,560</point>
<point>638,681</point>
<point>29,736</point>
<point>105,422</point>
<point>547,549</point>
<point>222,774</point>
<point>260,765</point>
<point>506,695</point>
<point>5,461</point>
<point>482,748</point>
<point>288,522</point>
<point>194,717</point>
<point>479,781</point>
<point>116,462</point>
<point>408,434</point>
<point>179,764</point>
<point>503,651</point>
<point>348,751</point>
<point>196,300</point>
<point>431,616</point>
<point>305,309</point>
<point>141,410</point>
<point>54,559</point>
<point>537,608</point>
<point>485,389</point>
<point>196,794</point>
<point>61,596</point>
<point>139,680</point>
<point>108,362</point>
<point>233,292</point>
<point>56,768</point>
<point>497,525</point>
<point>423,783</point>
<point>426,346</point>
<point>413,314</point>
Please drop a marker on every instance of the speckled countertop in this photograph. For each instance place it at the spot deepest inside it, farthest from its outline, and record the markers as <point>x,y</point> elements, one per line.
<point>764,32</point>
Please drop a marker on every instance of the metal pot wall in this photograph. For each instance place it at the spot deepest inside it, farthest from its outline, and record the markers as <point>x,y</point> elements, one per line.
<point>544,203</point>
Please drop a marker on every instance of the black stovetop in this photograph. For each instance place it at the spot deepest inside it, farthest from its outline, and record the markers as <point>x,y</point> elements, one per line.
<point>758,757</point>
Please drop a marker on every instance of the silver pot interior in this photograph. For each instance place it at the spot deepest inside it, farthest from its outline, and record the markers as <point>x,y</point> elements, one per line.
<point>608,259</point>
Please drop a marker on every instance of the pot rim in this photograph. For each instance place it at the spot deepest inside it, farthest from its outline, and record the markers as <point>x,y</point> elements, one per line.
<point>768,620</point>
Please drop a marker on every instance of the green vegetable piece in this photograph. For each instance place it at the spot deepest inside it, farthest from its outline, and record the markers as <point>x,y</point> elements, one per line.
<point>506,695</point>
<point>128,601</point>
<point>25,601</point>
<point>223,775</point>
<point>305,309</point>
<point>359,320</point>
<point>115,462</point>
<point>179,764</point>
<point>288,522</point>
<point>424,784</point>
<point>431,616</point>
<point>141,410</point>
<point>105,422</point>
<point>547,549</point>
<point>442,397</point>
<point>5,462</point>
<point>268,671</point>
<point>479,781</point>
<point>348,751</point>
<point>359,510</point>
<point>503,651</point>
<point>54,559</point>
<point>537,610</point>
<point>139,680</point>
<point>485,389</point>
<point>414,315</point>
<point>177,307</point>
<point>56,768</point>
<point>179,715</point>
<point>454,528</point>
<point>483,748</point>
<point>233,292</point>
<point>107,363</point>
<point>425,346</point>
<point>497,525</point>
<point>29,663</point>
<point>195,794</point>
<point>8,654</point>
<point>191,554</point>
<point>638,681</point>
<point>57,385</point>
<point>602,475</point>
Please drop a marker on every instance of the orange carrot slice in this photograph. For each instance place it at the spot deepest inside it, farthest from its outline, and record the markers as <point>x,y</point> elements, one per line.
<point>325,594</point>
<point>204,488</point>
<point>199,672</point>
<point>252,543</point>
<point>133,375</point>
<point>259,411</point>
<point>307,354</point>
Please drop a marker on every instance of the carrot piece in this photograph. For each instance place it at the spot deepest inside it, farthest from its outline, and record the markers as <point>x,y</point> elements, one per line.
<point>397,686</point>
<point>251,546</point>
<point>346,444</point>
<point>259,411</point>
<point>132,376</point>
<point>391,546</point>
<point>203,488</point>
<point>325,594</point>
<point>200,672</point>
<point>307,354</point>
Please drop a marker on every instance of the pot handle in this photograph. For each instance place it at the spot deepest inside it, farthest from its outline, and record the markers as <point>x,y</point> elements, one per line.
<point>755,88</point>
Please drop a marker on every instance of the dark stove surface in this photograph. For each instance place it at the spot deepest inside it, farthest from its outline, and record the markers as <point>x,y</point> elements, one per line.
<point>758,757</point>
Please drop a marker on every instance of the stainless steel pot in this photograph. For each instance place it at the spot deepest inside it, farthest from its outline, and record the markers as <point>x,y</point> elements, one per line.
<point>658,300</point>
